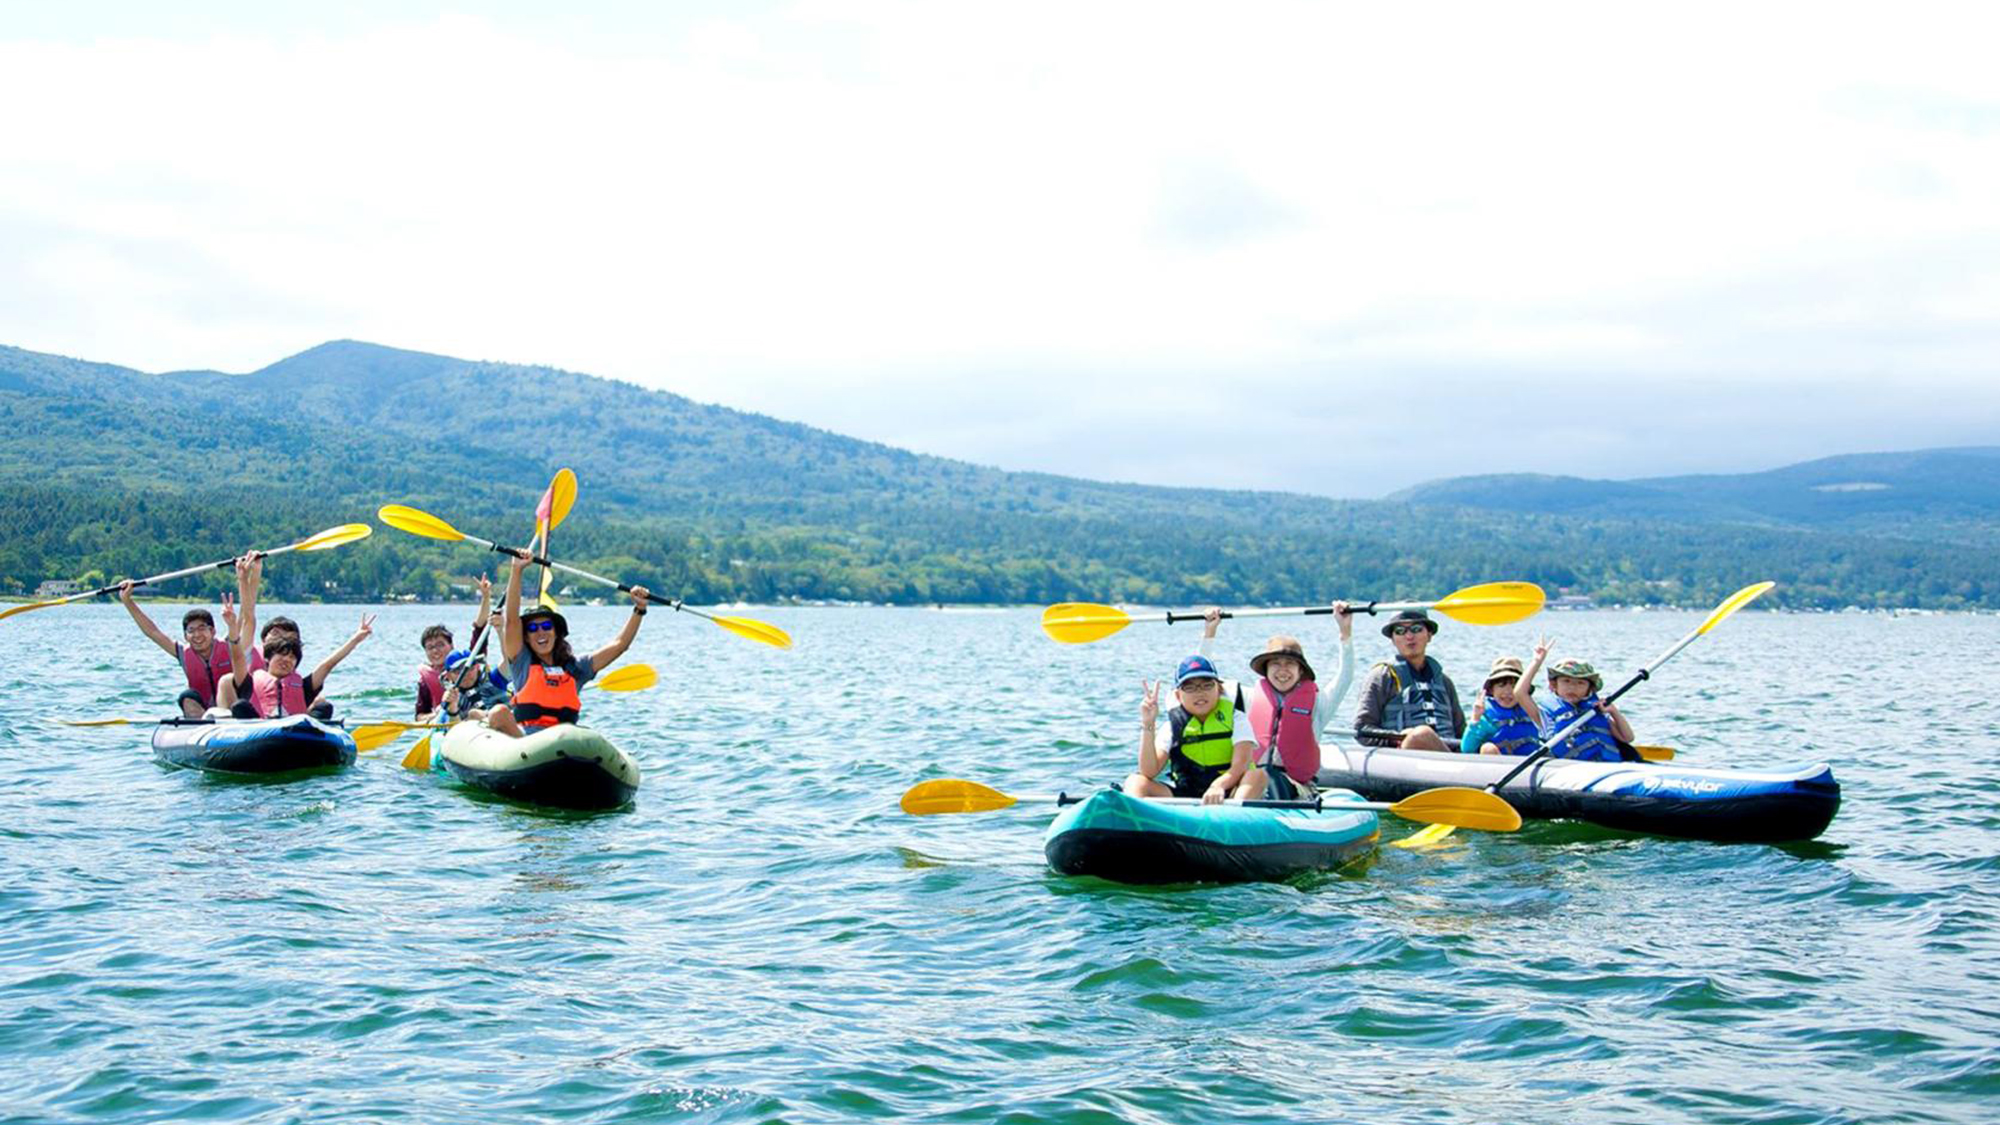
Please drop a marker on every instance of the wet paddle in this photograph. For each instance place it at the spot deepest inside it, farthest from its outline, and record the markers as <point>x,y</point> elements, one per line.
<point>331,537</point>
<point>1490,603</point>
<point>1460,807</point>
<point>1722,613</point>
<point>430,527</point>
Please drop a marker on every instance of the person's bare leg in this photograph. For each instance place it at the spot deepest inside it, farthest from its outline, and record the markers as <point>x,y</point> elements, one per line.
<point>1423,738</point>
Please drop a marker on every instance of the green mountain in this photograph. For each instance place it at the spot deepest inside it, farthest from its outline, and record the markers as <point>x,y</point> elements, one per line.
<point>119,472</point>
<point>1937,495</point>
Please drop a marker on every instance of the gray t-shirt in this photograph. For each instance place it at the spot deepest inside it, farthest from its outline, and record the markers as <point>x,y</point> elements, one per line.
<point>517,669</point>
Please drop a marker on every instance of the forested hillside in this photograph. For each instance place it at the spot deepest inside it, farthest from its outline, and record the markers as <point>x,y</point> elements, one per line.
<point>118,472</point>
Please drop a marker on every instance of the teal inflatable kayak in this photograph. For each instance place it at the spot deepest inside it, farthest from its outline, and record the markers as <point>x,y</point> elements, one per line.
<point>1130,840</point>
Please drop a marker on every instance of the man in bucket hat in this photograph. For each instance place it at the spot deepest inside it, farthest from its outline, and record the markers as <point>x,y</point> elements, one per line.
<point>1409,701</point>
<point>1289,713</point>
<point>1204,757</point>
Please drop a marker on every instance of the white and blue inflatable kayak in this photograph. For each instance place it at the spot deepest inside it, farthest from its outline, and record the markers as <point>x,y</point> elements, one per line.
<point>1775,805</point>
<point>253,747</point>
<point>561,766</point>
<point>1133,840</point>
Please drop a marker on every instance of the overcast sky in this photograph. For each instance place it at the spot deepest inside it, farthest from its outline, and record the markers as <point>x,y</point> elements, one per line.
<point>1336,248</point>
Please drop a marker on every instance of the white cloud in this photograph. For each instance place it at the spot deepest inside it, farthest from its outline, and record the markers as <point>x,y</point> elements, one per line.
<point>997,233</point>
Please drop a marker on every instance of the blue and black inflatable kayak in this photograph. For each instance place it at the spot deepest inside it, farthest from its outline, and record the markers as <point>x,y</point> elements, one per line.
<point>1775,805</point>
<point>1131,840</point>
<point>256,747</point>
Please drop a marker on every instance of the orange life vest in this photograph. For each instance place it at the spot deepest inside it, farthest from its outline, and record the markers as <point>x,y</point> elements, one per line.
<point>548,696</point>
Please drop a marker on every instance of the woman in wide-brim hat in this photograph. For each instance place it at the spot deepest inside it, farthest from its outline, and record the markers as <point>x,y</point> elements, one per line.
<point>1289,713</point>
<point>546,677</point>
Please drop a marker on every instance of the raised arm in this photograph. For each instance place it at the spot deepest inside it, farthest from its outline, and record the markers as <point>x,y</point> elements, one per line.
<point>1522,697</point>
<point>485,604</point>
<point>1150,761</point>
<point>510,627</point>
<point>602,658</point>
<point>362,633</point>
<point>144,622</point>
<point>249,581</point>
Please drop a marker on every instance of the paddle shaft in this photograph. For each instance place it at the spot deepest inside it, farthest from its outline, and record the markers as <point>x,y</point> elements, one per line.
<point>1577,723</point>
<point>674,604</point>
<point>1172,616</point>
<point>169,576</point>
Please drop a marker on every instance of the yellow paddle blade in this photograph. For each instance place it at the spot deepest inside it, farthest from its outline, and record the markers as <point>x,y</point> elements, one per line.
<point>12,610</point>
<point>1079,623</point>
<point>1459,807</point>
<point>1656,753</point>
<point>103,722</point>
<point>1736,601</point>
<point>562,497</point>
<point>950,795</point>
<point>419,757</point>
<point>335,536</point>
<point>755,630</point>
<point>632,677</point>
<point>417,523</point>
<point>1424,837</point>
<point>374,736</point>
<point>1493,603</point>
<point>545,600</point>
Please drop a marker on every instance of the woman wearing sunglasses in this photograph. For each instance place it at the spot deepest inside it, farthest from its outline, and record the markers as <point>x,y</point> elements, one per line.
<point>545,675</point>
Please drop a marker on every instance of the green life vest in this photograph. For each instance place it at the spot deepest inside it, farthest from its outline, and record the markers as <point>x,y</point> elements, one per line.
<point>1205,744</point>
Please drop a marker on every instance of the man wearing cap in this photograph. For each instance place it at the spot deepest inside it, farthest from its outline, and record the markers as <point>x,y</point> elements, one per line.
<point>1289,713</point>
<point>1409,701</point>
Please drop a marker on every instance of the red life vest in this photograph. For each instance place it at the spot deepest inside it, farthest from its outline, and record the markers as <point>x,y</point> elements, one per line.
<point>1288,721</point>
<point>268,692</point>
<point>430,688</point>
<point>203,675</point>
<point>547,697</point>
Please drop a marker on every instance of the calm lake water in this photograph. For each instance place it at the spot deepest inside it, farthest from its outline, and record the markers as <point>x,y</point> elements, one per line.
<point>765,937</point>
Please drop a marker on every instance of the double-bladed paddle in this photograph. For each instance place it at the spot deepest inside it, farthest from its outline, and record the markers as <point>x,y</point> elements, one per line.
<point>1722,613</point>
<point>1452,805</point>
<point>1490,603</point>
<point>331,537</point>
<point>430,527</point>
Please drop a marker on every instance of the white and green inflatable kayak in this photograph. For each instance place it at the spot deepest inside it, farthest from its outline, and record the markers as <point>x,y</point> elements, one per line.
<point>563,766</point>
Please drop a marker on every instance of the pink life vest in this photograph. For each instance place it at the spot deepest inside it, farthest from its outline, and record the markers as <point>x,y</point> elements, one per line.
<point>1291,721</point>
<point>203,675</point>
<point>430,685</point>
<point>268,691</point>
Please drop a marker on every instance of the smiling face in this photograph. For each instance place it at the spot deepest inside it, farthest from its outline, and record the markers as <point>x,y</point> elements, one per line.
<point>199,634</point>
<point>540,633</point>
<point>1199,695</point>
<point>282,665</point>
<point>436,649</point>
<point>1502,690</point>
<point>1283,672</point>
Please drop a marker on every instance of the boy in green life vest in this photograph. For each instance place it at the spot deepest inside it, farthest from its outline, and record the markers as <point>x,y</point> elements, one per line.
<point>1204,758</point>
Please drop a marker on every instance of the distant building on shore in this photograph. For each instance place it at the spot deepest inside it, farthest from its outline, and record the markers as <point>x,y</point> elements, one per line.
<point>1570,601</point>
<point>58,588</point>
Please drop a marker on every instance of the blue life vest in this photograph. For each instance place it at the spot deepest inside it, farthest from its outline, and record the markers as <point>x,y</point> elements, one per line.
<point>1419,702</point>
<point>1593,742</point>
<point>1516,733</point>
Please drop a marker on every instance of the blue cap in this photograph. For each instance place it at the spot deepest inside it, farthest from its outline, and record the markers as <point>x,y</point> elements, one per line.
<point>1196,668</point>
<point>456,660</point>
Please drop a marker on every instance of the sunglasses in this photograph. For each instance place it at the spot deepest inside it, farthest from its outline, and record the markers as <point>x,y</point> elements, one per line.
<point>539,625</point>
<point>1406,630</point>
